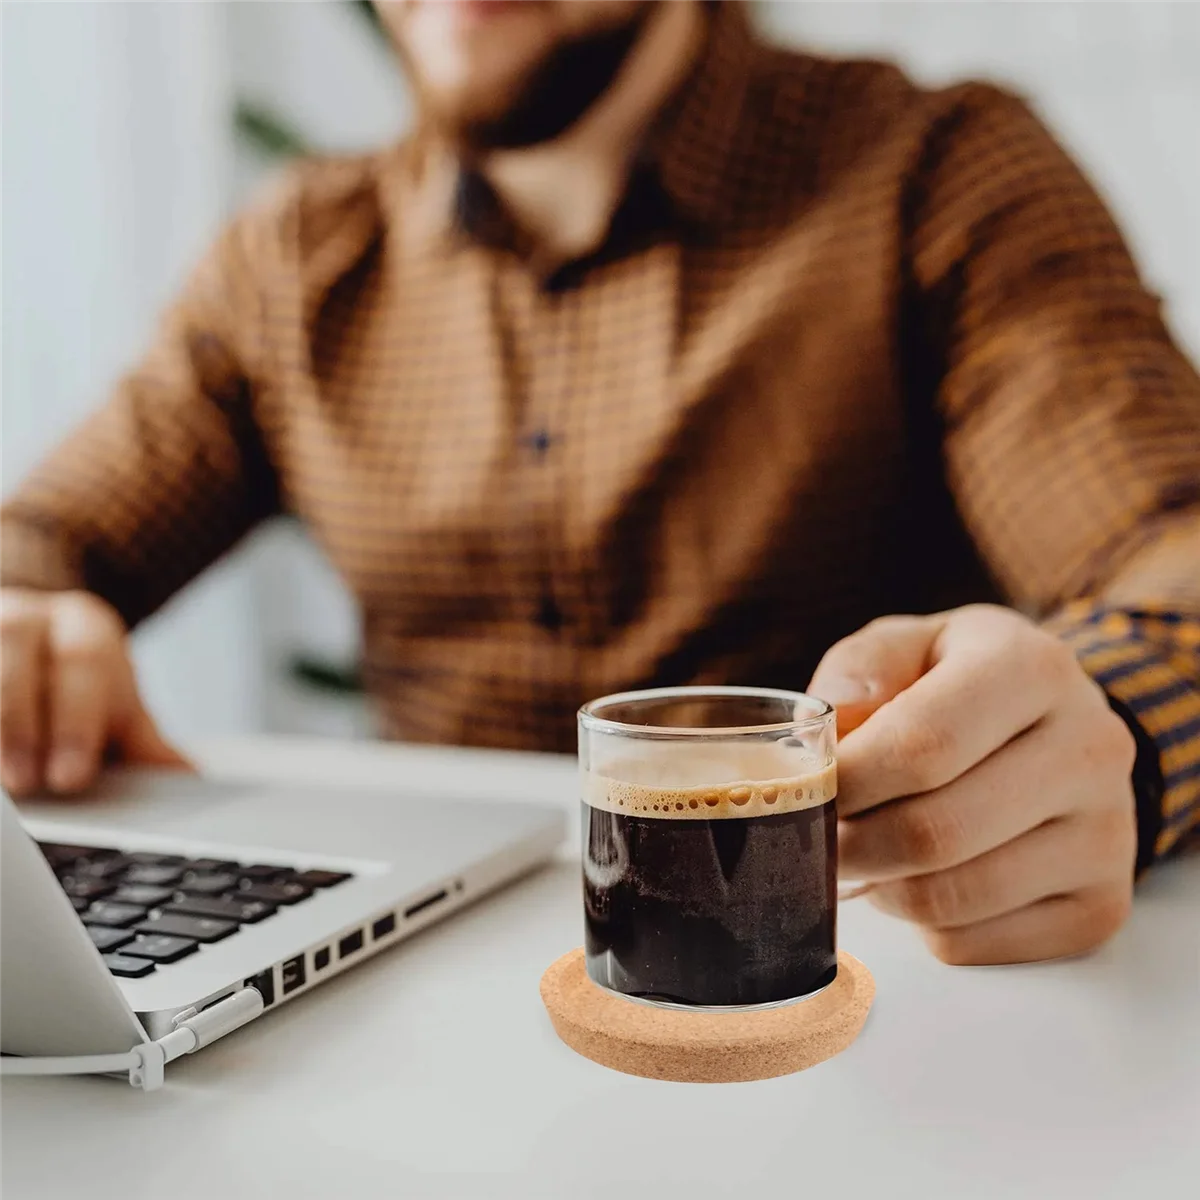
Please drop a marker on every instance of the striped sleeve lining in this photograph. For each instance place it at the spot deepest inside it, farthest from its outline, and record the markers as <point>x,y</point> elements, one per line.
<point>1146,662</point>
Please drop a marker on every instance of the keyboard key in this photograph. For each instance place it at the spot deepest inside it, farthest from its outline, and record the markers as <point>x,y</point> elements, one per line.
<point>102,868</point>
<point>59,854</point>
<point>277,893</point>
<point>208,884</point>
<point>149,859</point>
<point>202,929</point>
<point>105,938</point>
<point>156,876</point>
<point>141,893</point>
<point>126,967</point>
<point>81,903</point>
<point>105,912</point>
<point>318,879</point>
<point>162,949</point>
<point>261,872</point>
<point>211,864</point>
<point>86,889</point>
<point>245,912</point>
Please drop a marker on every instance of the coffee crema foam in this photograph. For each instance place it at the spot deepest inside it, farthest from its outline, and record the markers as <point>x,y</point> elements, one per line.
<point>739,797</point>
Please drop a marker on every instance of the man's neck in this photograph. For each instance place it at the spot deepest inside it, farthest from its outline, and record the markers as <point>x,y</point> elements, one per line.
<point>564,194</point>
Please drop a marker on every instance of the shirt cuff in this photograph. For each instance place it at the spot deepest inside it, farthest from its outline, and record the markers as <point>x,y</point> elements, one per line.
<point>1161,704</point>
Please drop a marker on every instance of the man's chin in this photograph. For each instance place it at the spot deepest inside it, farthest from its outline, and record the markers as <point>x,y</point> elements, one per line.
<point>542,103</point>
<point>466,125</point>
<point>465,112</point>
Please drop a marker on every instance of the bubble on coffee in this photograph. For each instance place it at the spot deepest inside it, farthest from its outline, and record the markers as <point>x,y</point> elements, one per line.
<point>712,782</point>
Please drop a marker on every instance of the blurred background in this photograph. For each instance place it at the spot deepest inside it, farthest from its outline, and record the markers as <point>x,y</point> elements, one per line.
<point>131,130</point>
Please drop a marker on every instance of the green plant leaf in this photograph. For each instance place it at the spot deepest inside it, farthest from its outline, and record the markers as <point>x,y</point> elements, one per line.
<point>370,14</point>
<point>319,675</point>
<point>267,133</point>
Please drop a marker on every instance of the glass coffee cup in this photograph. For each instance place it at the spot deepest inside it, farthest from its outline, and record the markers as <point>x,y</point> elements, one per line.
<point>710,845</point>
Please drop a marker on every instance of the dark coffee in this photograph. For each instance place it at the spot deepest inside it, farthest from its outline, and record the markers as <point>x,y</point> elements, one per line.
<point>715,896</point>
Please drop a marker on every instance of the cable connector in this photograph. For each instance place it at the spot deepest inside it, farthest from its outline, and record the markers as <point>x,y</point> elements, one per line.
<point>205,1027</point>
<point>146,1069</point>
<point>145,1062</point>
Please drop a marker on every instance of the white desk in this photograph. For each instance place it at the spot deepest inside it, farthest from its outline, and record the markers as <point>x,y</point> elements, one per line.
<point>432,1070</point>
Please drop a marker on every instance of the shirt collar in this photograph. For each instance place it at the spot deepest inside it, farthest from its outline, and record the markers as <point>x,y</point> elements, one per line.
<point>703,134</point>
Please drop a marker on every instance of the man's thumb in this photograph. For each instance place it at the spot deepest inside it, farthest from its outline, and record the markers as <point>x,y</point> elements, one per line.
<point>862,672</point>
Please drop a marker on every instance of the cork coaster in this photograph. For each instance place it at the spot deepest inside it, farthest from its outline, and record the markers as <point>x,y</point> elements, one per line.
<point>704,1047</point>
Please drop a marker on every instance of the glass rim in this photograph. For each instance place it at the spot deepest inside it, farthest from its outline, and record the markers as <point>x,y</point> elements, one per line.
<point>591,720</point>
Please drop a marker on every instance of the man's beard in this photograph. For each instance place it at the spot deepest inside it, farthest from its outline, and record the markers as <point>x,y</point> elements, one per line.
<point>557,92</point>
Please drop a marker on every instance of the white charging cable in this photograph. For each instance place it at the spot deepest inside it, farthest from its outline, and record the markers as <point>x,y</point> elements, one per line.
<point>145,1062</point>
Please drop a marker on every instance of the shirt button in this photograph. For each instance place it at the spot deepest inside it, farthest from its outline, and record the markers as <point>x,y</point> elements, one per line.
<point>539,442</point>
<point>565,279</point>
<point>549,615</point>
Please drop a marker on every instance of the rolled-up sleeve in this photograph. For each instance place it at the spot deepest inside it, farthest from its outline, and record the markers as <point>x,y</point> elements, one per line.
<point>171,471</point>
<point>1072,425</point>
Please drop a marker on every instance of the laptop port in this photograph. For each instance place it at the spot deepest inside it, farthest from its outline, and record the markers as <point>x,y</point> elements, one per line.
<point>384,926</point>
<point>321,958</point>
<point>265,982</point>
<point>293,974</point>
<point>352,943</point>
<point>422,905</point>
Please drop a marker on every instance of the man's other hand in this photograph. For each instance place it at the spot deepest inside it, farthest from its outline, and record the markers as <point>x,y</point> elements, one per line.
<point>68,694</point>
<point>984,785</point>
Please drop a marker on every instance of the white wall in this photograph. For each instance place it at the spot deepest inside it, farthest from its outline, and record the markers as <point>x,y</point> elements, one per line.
<point>116,172</point>
<point>1119,83</point>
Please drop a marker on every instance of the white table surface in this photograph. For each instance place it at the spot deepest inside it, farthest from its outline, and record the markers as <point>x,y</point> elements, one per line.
<point>432,1070</point>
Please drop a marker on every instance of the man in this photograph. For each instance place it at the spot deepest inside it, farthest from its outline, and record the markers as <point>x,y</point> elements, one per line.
<point>661,356</point>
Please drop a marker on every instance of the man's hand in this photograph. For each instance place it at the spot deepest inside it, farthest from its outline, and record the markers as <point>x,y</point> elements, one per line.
<point>68,694</point>
<point>984,785</point>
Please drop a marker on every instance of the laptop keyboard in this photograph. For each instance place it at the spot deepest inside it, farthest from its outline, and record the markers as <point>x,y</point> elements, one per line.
<point>144,911</point>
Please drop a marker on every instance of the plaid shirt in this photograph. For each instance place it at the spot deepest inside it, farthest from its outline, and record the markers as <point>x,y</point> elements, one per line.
<point>851,347</point>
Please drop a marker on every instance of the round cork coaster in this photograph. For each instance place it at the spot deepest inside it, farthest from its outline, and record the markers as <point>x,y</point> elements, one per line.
<point>704,1047</point>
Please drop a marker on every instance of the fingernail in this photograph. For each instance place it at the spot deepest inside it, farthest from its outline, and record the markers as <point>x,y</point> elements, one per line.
<point>846,692</point>
<point>68,769</point>
<point>18,771</point>
<point>852,891</point>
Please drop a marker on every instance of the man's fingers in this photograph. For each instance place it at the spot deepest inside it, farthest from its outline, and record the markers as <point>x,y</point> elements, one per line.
<point>1053,928</point>
<point>1065,855</point>
<point>867,669</point>
<point>21,701</point>
<point>979,694</point>
<point>68,693</point>
<point>1021,786</point>
<point>82,669</point>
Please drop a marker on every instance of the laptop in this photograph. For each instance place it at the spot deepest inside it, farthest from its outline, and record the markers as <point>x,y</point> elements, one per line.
<point>170,909</point>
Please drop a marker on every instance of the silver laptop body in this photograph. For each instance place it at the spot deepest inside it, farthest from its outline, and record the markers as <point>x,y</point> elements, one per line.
<point>410,860</point>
